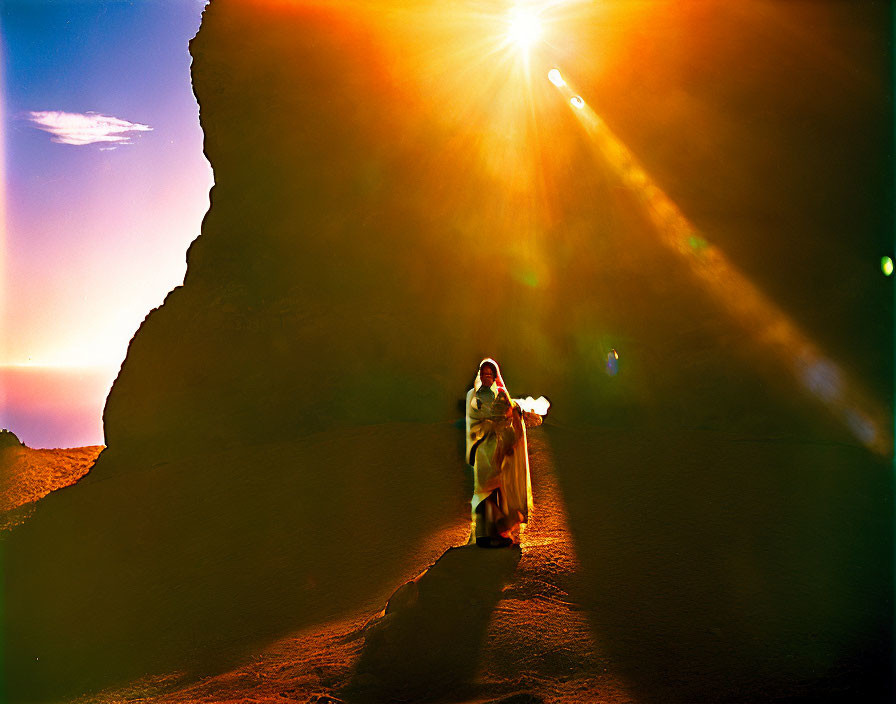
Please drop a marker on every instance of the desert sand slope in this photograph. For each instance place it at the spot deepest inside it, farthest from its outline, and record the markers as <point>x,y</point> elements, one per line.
<point>476,626</point>
<point>707,582</point>
<point>494,625</point>
<point>719,567</point>
<point>694,567</point>
<point>195,562</point>
<point>27,475</point>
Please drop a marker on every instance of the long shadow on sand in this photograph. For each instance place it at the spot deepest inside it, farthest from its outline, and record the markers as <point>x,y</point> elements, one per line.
<point>427,642</point>
<point>189,565</point>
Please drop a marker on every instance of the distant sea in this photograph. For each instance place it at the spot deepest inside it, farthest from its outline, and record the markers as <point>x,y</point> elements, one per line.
<point>49,407</point>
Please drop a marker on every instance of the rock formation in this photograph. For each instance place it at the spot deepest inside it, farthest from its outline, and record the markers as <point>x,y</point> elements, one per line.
<point>8,439</point>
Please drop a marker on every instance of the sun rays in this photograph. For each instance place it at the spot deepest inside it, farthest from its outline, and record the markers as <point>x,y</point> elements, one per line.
<point>828,384</point>
<point>480,71</point>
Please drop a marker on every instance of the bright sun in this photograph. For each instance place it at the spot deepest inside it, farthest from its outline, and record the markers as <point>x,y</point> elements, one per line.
<point>524,28</point>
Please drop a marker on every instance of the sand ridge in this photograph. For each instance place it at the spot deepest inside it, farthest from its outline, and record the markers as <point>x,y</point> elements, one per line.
<point>27,475</point>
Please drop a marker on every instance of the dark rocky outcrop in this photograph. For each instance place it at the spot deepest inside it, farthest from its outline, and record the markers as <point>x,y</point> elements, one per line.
<point>8,439</point>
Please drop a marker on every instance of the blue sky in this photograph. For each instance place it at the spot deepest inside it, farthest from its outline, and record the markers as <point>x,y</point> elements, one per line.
<point>105,181</point>
<point>96,232</point>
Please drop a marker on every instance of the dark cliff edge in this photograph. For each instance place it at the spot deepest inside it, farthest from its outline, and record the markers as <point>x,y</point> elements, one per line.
<point>282,431</point>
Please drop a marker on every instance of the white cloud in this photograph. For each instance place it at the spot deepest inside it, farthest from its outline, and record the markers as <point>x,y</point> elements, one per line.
<point>81,129</point>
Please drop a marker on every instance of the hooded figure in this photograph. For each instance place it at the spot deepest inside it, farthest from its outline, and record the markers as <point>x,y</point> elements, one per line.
<point>497,450</point>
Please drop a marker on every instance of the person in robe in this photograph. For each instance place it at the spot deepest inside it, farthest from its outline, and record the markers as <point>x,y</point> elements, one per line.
<point>497,450</point>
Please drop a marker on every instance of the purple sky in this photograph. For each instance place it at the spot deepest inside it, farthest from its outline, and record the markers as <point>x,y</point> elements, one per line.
<point>106,186</point>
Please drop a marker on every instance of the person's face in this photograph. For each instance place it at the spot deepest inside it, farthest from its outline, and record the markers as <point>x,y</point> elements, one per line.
<point>487,376</point>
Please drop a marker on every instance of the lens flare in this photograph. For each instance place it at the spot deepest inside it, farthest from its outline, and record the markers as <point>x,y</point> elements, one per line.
<point>524,28</point>
<point>555,78</point>
<point>830,384</point>
<point>612,363</point>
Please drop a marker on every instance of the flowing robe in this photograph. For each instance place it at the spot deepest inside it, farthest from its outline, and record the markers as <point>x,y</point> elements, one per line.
<point>487,428</point>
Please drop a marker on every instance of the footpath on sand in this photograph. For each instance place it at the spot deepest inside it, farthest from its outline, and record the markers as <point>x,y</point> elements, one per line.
<point>479,625</point>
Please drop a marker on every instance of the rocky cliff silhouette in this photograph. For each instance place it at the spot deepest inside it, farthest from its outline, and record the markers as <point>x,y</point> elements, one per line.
<point>282,432</point>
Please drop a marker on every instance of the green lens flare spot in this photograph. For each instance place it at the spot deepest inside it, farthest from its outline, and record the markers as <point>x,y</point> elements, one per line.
<point>886,265</point>
<point>529,278</point>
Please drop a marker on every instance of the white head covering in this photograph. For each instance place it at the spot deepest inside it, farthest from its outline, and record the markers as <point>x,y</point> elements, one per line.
<point>477,383</point>
<point>518,483</point>
<point>472,435</point>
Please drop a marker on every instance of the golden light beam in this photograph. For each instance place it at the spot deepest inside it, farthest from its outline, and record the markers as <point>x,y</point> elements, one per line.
<point>866,419</point>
